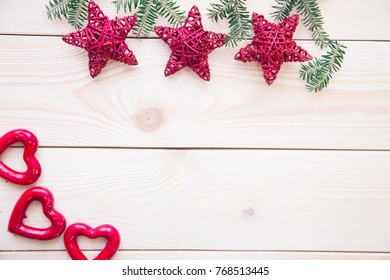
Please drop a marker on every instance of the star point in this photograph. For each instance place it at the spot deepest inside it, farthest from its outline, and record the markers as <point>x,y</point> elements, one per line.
<point>272,45</point>
<point>190,45</point>
<point>103,39</point>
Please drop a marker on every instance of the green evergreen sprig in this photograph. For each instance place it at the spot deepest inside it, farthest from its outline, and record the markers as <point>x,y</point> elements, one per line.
<point>78,10</point>
<point>311,14</point>
<point>57,9</point>
<point>312,18</point>
<point>237,14</point>
<point>75,11</point>
<point>148,12</point>
<point>318,72</point>
<point>283,9</point>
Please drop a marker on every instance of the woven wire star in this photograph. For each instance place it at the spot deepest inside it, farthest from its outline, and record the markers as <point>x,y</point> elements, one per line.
<point>272,45</point>
<point>190,45</point>
<point>103,39</point>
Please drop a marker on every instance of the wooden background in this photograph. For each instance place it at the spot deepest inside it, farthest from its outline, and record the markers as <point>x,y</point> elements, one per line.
<point>194,170</point>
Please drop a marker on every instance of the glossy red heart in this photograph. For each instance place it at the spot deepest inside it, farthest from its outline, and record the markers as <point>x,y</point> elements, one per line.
<point>106,231</point>
<point>43,195</point>
<point>30,143</point>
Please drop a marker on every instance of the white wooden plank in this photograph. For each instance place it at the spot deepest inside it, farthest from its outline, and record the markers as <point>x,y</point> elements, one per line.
<point>45,87</point>
<point>199,255</point>
<point>215,200</point>
<point>347,19</point>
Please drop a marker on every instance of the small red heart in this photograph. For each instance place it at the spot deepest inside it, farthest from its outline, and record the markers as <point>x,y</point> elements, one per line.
<point>43,195</point>
<point>30,143</point>
<point>106,231</point>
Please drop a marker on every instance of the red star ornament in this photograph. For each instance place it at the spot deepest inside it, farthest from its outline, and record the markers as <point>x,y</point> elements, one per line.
<point>272,45</point>
<point>190,45</point>
<point>103,39</point>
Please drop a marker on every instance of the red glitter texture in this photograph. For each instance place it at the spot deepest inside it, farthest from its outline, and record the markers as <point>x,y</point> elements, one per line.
<point>272,45</point>
<point>103,39</point>
<point>190,45</point>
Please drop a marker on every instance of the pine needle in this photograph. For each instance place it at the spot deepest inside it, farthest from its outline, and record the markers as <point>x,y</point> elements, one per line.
<point>126,5</point>
<point>319,72</point>
<point>218,11</point>
<point>57,9</point>
<point>312,19</point>
<point>78,12</point>
<point>148,12</point>
<point>146,18</point>
<point>283,9</point>
<point>75,11</point>
<point>237,14</point>
<point>170,10</point>
<point>311,13</point>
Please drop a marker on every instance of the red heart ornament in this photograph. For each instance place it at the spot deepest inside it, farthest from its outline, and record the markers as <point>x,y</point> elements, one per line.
<point>30,143</point>
<point>106,231</point>
<point>43,195</point>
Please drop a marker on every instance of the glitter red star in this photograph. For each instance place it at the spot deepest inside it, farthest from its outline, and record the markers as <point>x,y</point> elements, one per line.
<point>272,45</point>
<point>190,45</point>
<point>103,39</point>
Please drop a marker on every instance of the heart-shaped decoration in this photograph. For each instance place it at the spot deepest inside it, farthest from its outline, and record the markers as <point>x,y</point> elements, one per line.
<point>30,143</point>
<point>106,231</point>
<point>44,196</point>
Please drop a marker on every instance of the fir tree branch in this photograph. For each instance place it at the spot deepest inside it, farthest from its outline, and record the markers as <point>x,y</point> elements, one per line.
<point>283,9</point>
<point>319,72</point>
<point>236,13</point>
<point>312,19</point>
<point>239,23</point>
<point>126,4</point>
<point>171,10</point>
<point>146,18</point>
<point>218,11</point>
<point>75,11</point>
<point>148,12</point>
<point>57,9</point>
<point>78,12</point>
<point>314,67</point>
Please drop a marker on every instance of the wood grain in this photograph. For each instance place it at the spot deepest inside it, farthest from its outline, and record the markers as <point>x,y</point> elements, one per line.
<point>347,19</point>
<point>199,255</point>
<point>214,200</point>
<point>46,88</point>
